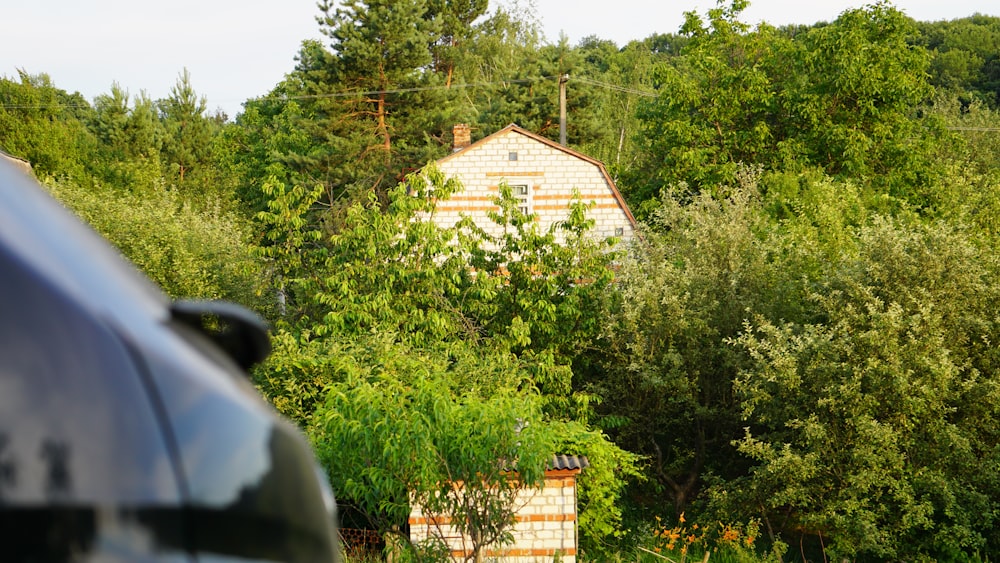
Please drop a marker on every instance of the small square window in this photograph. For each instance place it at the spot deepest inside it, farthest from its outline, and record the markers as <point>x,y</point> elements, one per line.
<point>512,156</point>
<point>620,231</point>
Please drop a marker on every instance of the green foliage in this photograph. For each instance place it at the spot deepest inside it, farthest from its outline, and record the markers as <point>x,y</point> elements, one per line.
<point>389,113</point>
<point>629,71</point>
<point>46,126</point>
<point>964,56</point>
<point>188,135</point>
<point>131,138</point>
<point>393,295</point>
<point>874,425</point>
<point>601,486</point>
<point>188,252</point>
<point>841,97</point>
<point>736,543</point>
<point>399,431</point>
<point>718,101</point>
<point>865,81</point>
<point>666,387</point>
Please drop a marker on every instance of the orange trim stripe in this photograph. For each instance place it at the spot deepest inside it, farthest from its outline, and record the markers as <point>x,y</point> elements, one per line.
<point>445,520</point>
<point>561,477</point>
<point>569,197</point>
<point>468,198</point>
<point>514,174</point>
<point>566,206</point>
<point>546,552</point>
<point>467,208</point>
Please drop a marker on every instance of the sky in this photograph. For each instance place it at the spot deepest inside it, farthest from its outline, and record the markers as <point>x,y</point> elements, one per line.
<point>239,49</point>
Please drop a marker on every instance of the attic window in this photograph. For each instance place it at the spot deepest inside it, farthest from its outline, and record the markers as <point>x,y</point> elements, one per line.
<point>619,231</point>
<point>521,194</point>
<point>512,155</point>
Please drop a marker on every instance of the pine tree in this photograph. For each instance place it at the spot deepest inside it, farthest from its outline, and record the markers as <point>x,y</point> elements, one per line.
<point>188,130</point>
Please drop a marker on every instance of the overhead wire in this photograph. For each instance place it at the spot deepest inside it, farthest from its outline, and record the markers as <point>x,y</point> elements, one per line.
<point>349,93</point>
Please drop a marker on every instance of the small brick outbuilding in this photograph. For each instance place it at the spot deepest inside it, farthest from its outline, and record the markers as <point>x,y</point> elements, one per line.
<point>545,527</point>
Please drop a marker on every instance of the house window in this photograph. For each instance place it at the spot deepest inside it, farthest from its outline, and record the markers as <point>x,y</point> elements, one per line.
<point>512,156</point>
<point>522,195</point>
<point>620,231</point>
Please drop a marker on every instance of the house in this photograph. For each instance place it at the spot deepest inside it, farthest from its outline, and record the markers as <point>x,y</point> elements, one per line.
<point>545,527</point>
<point>543,176</point>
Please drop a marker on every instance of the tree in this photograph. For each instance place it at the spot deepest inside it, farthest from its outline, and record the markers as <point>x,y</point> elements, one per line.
<point>47,126</point>
<point>455,19</point>
<point>666,387</point>
<point>627,75</point>
<point>131,137</point>
<point>842,97</point>
<point>717,102</point>
<point>872,427</point>
<point>189,252</point>
<point>963,56</point>
<point>857,113</point>
<point>406,433</point>
<point>188,142</point>
<point>392,108</point>
<point>379,46</point>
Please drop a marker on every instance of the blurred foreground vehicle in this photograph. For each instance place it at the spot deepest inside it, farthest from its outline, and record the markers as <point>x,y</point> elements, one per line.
<point>128,428</point>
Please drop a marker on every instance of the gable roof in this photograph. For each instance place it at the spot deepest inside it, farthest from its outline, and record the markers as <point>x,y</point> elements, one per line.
<point>512,128</point>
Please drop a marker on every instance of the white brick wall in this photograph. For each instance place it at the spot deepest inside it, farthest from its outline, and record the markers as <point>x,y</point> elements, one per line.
<point>551,173</point>
<point>546,525</point>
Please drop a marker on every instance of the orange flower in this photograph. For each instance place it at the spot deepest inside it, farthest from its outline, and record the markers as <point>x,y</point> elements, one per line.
<point>682,520</point>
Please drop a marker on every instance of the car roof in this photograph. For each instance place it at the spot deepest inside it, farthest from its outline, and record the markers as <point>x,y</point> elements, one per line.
<point>50,239</point>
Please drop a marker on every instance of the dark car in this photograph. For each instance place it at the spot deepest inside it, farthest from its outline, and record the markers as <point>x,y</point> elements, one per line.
<point>129,430</point>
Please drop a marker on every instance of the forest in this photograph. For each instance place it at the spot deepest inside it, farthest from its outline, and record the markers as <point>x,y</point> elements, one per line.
<point>797,360</point>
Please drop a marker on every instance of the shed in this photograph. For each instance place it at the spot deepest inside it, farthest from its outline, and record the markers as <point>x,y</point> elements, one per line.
<point>545,527</point>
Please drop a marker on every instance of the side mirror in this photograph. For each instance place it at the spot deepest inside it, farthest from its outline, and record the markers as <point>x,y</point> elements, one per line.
<point>239,332</point>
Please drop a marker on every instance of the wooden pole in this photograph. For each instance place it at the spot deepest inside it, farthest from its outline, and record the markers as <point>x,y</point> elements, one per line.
<point>562,108</point>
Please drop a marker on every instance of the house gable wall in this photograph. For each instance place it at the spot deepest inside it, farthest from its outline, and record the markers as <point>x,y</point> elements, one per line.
<point>550,174</point>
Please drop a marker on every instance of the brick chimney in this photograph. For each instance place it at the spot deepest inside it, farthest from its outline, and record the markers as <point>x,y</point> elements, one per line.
<point>462,135</point>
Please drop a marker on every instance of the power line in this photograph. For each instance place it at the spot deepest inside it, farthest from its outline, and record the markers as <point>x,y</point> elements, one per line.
<point>615,87</point>
<point>350,93</point>
<point>989,129</point>
<point>342,94</point>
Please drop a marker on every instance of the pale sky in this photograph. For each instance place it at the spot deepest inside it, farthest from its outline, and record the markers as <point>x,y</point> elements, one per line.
<point>238,49</point>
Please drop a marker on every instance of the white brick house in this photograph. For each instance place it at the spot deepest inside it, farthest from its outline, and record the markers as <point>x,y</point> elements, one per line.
<point>541,173</point>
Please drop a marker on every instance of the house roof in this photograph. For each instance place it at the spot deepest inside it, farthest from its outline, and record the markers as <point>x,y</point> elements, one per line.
<point>561,462</point>
<point>512,128</point>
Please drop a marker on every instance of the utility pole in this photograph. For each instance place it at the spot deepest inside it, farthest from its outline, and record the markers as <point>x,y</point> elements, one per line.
<point>562,108</point>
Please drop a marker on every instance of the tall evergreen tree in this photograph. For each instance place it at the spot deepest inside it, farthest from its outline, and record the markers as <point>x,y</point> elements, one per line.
<point>455,19</point>
<point>189,130</point>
